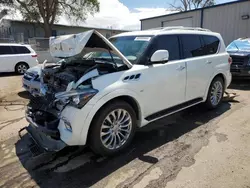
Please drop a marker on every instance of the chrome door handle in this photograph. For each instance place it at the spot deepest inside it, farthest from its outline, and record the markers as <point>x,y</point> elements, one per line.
<point>180,68</point>
<point>209,62</point>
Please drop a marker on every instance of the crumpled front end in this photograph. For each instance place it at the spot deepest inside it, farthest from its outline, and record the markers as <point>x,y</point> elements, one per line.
<point>57,116</point>
<point>43,125</point>
<point>56,125</point>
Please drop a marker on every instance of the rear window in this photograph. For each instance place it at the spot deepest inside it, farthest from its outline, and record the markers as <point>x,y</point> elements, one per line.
<point>192,46</point>
<point>20,50</point>
<point>5,50</point>
<point>211,44</point>
<point>199,45</point>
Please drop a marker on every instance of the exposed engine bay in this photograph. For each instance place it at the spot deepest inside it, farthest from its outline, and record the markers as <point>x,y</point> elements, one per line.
<point>58,77</point>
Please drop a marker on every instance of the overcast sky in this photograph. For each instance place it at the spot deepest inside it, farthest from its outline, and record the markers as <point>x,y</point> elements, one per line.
<point>126,14</point>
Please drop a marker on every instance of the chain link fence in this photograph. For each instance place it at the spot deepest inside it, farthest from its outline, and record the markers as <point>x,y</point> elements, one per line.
<point>41,46</point>
<point>17,38</point>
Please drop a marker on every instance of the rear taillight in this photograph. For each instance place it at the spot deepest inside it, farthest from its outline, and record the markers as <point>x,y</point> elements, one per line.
<point>34,55</point>
<point>230,60</point>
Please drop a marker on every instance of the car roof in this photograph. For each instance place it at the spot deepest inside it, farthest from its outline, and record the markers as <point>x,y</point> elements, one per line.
<point>169,30</point>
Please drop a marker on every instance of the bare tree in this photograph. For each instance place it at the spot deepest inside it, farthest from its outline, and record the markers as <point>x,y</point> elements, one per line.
<point>47,12</point>
<point>3,13</point>
<point>185,5</point>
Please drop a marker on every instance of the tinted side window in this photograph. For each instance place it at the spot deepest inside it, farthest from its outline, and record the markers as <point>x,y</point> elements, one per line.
<point>4,50</point>
<point>20,50</point>
<point>192,46</point>
<point>170,43</point>
<point>211,44</point>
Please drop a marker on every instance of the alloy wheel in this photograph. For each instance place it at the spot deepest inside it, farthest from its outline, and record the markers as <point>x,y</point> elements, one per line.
<point>116,129</point>
<point>216,93</point>
<point>22,68</point>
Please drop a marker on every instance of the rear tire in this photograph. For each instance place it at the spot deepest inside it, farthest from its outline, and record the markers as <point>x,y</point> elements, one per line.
<point>215,93</point>
<point>21,68</point>
<point>113,128</point>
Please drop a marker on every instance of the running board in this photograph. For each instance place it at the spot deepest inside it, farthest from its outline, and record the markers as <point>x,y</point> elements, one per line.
<point>173,109</point>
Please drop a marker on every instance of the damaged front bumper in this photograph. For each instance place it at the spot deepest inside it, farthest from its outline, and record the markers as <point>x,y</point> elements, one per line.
<point>44,132</point>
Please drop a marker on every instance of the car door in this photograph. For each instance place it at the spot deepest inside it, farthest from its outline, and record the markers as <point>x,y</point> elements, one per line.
<point>164,84</point>
<point>6,59</point>
<point>199,66</point>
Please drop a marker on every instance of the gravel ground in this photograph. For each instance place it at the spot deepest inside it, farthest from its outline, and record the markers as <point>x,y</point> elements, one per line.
<point>194,148</point>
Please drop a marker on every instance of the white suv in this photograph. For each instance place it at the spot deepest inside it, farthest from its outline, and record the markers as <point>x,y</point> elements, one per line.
<point>16,58</point>
<point>106,89</point>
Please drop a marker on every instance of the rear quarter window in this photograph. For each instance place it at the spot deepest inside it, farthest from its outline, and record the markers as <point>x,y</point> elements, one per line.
<point>192,46</point>
<point>211,44</point>
<point>20,50</point>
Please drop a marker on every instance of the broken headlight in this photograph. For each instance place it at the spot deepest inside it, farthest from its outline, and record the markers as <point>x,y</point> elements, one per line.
<point>77,98</point>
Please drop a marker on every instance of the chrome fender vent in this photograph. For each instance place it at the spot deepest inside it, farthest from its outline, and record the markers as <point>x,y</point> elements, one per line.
<point>132,77</point>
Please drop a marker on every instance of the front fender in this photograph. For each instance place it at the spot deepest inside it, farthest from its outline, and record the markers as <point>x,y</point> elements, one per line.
<point>102,101</point>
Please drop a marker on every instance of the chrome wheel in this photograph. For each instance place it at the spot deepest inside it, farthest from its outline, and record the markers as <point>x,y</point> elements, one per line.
<point>116,129</point>
<point>216,93</point>
<point>22,68</point>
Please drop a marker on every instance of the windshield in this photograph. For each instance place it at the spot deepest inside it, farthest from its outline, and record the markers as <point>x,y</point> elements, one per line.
<point>131,47</point>
<point>239,45</point>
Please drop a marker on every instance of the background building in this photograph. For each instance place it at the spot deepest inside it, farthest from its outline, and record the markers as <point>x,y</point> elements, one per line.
<point>33,34</point>
<point>21,31</point>
<point>231,19</point>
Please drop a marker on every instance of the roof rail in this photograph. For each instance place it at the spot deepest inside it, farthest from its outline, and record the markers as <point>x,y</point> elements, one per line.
<point>179,27</point>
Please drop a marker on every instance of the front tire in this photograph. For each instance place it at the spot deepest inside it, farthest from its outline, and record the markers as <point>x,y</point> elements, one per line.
<point>113,128</point>
<point>215,93</point>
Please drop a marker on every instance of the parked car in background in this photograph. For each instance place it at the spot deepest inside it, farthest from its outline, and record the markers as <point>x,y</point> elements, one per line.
<point>16,58</point>
<point>32,77</point>
<point>126,83</point>
<point>31,80</point>
<point>239,50</point>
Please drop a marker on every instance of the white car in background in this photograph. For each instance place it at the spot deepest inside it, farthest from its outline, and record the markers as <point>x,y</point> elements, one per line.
<point>16,58</point>
<point>134,79</point>
<point>32,79</point>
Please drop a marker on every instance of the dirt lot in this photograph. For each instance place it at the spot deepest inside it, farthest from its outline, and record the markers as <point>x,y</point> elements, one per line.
<point>195,148</point>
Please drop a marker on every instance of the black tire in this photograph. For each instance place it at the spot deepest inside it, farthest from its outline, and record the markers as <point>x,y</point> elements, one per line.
<point>208,102</point>
<point>21,67</point>
<point>94,136</point>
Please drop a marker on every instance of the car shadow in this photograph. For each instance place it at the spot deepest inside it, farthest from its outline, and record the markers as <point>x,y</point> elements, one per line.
<point>25,95</point>
<point>147,139</point>
<point>240,83</point>
<point>8,74</point>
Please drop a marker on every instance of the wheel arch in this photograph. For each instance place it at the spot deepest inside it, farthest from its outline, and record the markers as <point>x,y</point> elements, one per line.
<point>20,63</point>
<point>129,97</point>
<point>222,76</point>
<point>219,74</point>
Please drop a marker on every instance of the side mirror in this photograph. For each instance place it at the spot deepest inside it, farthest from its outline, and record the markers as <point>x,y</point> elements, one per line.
<point>160,56</point>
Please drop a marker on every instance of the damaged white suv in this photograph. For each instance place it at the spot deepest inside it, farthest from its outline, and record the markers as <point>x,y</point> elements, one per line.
<point>106,89</point>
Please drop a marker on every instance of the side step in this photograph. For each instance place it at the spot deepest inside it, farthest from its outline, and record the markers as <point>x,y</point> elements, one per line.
<point>173,109</point>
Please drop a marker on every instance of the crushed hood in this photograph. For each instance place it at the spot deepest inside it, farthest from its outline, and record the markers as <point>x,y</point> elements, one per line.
<point>75,44</point>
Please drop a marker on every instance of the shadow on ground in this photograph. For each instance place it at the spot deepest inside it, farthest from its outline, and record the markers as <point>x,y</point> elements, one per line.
<point>24,94</point>
<point>240,84</point>
<point>96,168</point>
<point>8,74</point>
